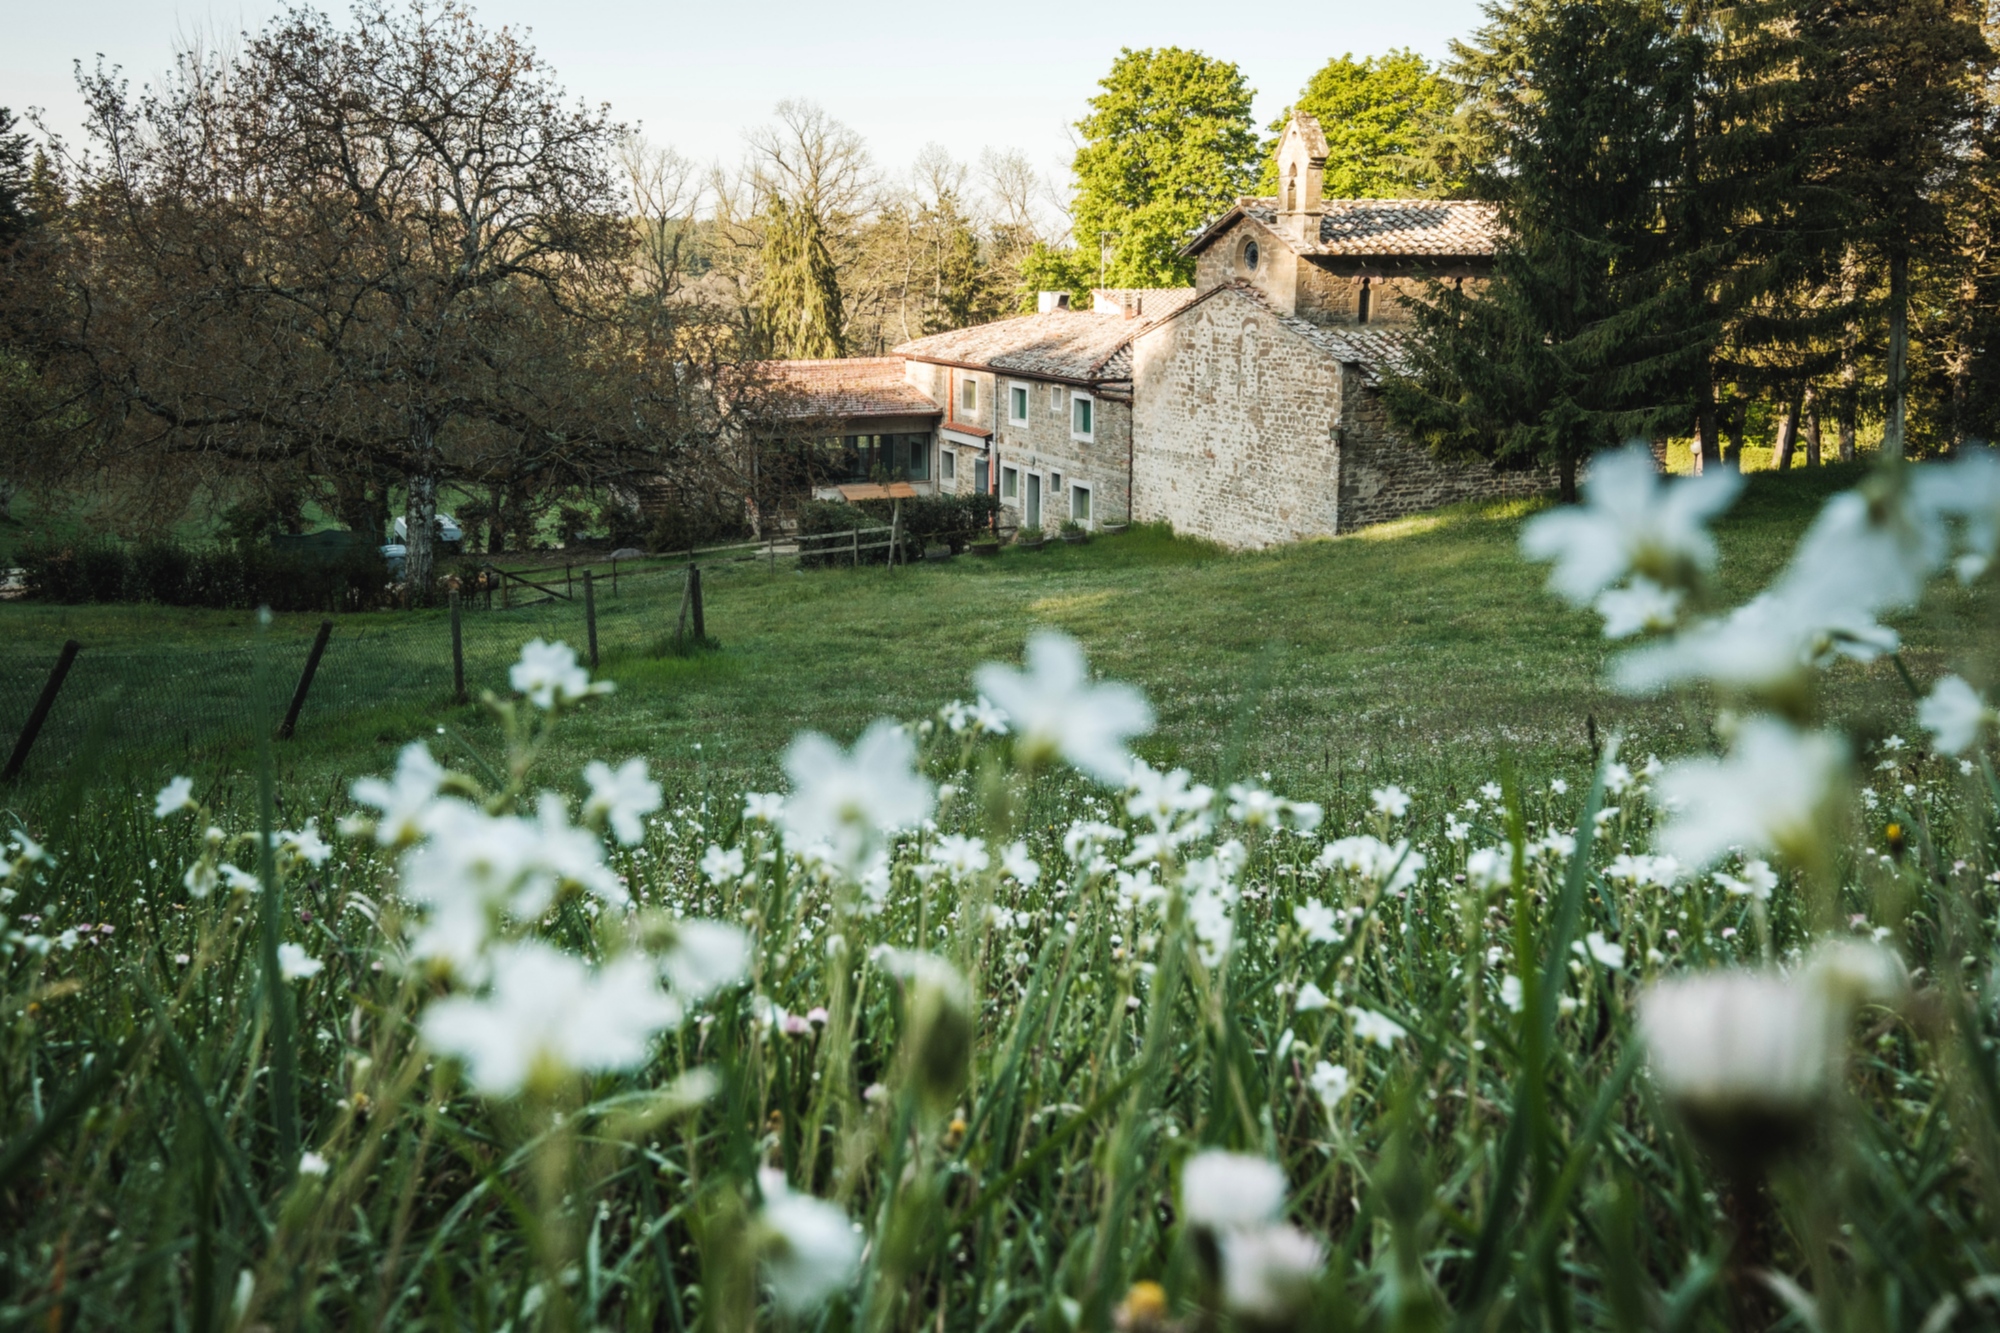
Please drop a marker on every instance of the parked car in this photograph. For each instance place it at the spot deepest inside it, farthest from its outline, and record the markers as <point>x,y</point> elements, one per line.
<point>448,530</point>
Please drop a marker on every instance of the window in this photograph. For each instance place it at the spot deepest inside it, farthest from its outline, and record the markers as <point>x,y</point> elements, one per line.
<point>915,457</point>
<point>1055,483</point>
<point>1017,404</point>
<point>981,475</point>
<point>948,465</point>
<point>968,397</point>
<point>1079,504</point>
<point>1363,301</point>
<point>1082,417</point>
<point>1250,255</point>
<point>1055,399</point>
<point>1010,483</point>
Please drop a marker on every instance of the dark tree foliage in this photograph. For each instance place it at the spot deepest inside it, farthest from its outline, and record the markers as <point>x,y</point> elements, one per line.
<point>1579,337</point>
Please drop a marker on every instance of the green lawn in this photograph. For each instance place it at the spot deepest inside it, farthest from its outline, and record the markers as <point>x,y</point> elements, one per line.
<point>1421,650</point>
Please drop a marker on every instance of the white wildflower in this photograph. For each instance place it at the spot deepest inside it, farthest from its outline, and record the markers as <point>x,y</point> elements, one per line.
<point>1378,1028</point>
<point>1225,1190</point>
<point>960,856</point>
<point>1391,800</point>
<point>808,1248</point>
<point>763,807</point>
<point>1268,1272</point>
<point>312,1165</point>
<point>1632,522</point>
<point>1757,882</point>
<point>621,797</point>
<point>1953,713</point>
<point>1642,607</point>
<point>1317,922</point>
<point>295,964</point>
<point>1510,993</point>
<point>548,674</point>
<point>1056,709</point>
<point>1312,999</point>
<point>1774,792</point>
<point>406,799</point>
<point>1604,951</point>
<point>850,800</point>
<point>548,1014</point>
<point>1331,1084</point>
<point>1490,868</point>
<point>722,865</point>
<point>1015,862</point>
<point>175,797</point>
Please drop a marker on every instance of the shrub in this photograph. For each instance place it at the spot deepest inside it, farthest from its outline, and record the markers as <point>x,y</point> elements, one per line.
<point>159,572</point>
<point>101,568</point>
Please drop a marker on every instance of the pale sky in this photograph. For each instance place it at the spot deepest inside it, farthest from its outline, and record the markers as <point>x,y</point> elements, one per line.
<point>903,73</point>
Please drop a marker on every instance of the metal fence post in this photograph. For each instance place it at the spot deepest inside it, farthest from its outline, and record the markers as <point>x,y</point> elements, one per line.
<point>41,712</point>
<point>590,615</point>
<point>457,654</point>
<point>291,721</point>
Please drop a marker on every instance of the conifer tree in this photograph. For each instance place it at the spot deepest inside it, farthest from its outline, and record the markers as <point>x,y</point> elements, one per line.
<point>1581,337</point>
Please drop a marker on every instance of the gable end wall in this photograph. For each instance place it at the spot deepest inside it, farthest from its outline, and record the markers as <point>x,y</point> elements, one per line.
<point>1384,476</point>
<point>1233,424</point>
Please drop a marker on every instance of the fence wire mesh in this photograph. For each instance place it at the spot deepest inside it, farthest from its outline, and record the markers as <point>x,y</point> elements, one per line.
<point>169,687</point>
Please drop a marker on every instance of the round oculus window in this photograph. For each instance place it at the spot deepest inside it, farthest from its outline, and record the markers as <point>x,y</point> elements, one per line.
<point>1250,255</point>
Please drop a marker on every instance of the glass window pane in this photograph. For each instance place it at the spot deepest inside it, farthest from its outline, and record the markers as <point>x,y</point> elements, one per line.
<point>917,450</point>
<point>1079,504</point>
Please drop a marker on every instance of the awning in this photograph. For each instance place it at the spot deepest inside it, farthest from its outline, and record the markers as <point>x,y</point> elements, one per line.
<point>868,490</point>
<point>958,433</point>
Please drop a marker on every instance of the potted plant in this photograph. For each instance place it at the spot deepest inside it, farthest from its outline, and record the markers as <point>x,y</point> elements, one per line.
<point>1074,532</point>
<point>1111,529</point>
<point>1029,538</point>
<point>938,552</point>
<point>987,546</point>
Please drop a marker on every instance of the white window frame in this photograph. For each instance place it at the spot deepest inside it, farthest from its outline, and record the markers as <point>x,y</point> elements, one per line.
<point>1055,484</point>
<point>1089,519</point>
<point>1055,400</point>
<point>968,388</point>
<point>1010,484</point>
<point>1027,393</point>
<point>1087,436</point>
<point>948,464</point>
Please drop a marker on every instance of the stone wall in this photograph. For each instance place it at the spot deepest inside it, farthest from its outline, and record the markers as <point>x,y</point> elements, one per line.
<point>1045,446</point>
<point>1233,427</point>
<point>943,384</point>
<point>1384,476</point>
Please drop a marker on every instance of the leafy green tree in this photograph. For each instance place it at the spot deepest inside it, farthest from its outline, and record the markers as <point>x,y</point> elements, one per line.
<point>1580,338</point>
<point>1388,126</point>
<point>1168,144</point>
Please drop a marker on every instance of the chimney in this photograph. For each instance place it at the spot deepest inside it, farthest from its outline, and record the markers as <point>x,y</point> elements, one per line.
<point>1047,301</point>
<point>1301,176</point>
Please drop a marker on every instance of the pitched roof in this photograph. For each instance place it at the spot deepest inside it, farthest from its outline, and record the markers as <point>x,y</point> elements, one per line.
<point>1389,228</point>
<point>1370,348</point>
<point>1080,346</point>
<point>1150,302</point>
<point>861,386</point>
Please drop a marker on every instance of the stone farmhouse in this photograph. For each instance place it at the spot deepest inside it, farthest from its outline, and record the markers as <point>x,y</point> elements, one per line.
<point>1245,410</point>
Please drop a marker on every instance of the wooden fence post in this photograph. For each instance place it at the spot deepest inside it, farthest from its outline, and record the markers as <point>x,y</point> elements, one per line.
<point>694,587</point>
<point>687,594</point>
<point>895,531</point>
<point>291,721</point>
<point>855,540</point>
<point>614,576</point>
<point>590,615</point>
<point>457,654</point>
<point>26,742</point>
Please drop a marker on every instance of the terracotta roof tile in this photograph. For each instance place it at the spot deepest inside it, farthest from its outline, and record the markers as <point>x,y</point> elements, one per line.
<point>1077,345</point>
<point>871,386</point>
<point>1389,228</point>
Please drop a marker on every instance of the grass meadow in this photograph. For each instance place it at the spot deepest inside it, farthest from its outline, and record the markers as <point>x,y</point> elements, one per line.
<point>976,1076</point>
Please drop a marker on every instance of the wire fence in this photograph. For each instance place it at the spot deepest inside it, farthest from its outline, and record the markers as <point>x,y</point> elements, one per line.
<point>167,688</point>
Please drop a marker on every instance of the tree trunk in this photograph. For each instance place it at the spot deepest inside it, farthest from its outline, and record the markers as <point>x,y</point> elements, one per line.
<point>1899,355</point>
<point>1566,477</point>
<point>1733,423</point>
<point>1707,447</point>
<point>1788,433</point>
<point>1850,373</point>
<point>1812,426</point>
<point>420,539</point>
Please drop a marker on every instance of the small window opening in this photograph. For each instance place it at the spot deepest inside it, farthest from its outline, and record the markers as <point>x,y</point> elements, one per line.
<point>1250,255</point>
<point>968,396</point>
<point>1364,302</point>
